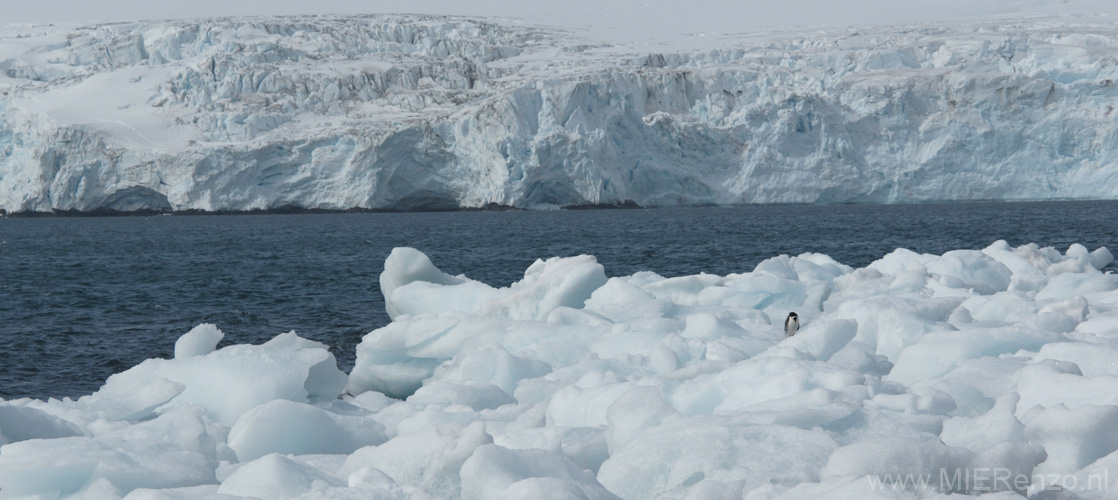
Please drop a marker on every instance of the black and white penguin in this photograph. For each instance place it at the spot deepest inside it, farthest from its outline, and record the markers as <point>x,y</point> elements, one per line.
<point>792,324</point>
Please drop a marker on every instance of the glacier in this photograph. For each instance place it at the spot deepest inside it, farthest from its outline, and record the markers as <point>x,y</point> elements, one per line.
<point>412,112</point>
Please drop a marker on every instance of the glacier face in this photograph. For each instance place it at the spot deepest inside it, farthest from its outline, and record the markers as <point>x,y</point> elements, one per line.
<point>411,112</point>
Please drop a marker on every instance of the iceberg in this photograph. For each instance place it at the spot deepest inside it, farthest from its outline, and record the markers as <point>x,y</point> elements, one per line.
<point>969,373</point>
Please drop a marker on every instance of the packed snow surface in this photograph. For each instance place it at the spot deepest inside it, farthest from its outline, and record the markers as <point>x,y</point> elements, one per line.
<point>413,112</point>
<point>978,372</point>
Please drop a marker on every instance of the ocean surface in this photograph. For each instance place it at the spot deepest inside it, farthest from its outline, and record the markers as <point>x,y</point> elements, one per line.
<point>83,298</point>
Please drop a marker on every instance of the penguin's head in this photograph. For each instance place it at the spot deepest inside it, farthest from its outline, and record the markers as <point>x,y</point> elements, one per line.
<point>793,315</point>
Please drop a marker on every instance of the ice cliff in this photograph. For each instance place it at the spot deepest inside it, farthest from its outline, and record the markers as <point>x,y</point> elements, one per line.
<point>408,112</point>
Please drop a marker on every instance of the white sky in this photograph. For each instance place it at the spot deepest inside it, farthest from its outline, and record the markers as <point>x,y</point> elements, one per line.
<point>612,21</point>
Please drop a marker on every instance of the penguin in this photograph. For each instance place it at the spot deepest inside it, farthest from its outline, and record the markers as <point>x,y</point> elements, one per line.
<point>792,324</point>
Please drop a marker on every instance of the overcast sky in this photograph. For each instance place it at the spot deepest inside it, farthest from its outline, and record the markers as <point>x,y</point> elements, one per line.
<point>616,21</point>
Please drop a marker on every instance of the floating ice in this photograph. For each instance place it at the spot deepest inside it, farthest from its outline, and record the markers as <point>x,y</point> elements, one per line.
<point>227,382</point>
<point>275,477</point>
<point>430,458</point>
<point>176,449</point>
<point>200,341</point>
<point>977,371</point>
<point>283,426</point>
<point>496,472</point>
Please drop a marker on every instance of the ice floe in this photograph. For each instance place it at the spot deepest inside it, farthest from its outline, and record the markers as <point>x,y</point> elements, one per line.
<point>973,372</point>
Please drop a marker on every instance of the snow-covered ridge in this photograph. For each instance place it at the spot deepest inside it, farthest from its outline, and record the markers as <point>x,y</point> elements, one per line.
<point>426,112</point>
<point>973,372</point>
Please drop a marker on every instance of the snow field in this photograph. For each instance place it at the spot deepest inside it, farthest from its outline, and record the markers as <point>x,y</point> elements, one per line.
<point>573,384</point>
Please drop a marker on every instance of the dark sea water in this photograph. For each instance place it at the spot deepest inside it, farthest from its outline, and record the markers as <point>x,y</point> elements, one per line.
<point>82,298</point>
